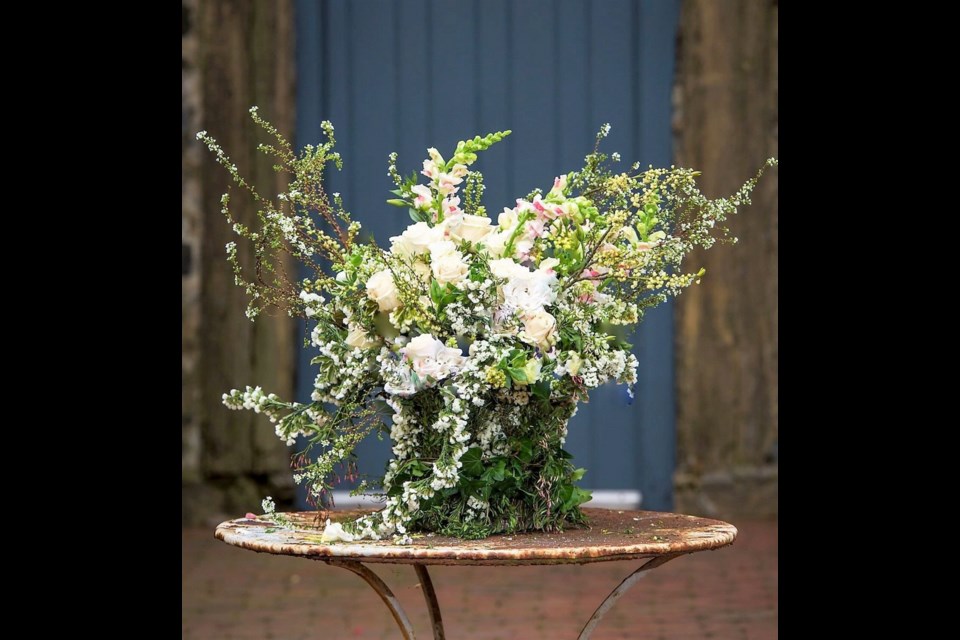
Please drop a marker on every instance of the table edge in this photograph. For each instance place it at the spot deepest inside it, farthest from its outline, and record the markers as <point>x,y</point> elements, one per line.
<point>722,534</point>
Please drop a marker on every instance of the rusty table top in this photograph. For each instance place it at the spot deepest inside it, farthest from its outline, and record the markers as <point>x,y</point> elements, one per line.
<point>611,535</point>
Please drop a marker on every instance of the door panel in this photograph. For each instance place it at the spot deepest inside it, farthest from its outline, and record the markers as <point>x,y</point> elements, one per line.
<point>405,76</point>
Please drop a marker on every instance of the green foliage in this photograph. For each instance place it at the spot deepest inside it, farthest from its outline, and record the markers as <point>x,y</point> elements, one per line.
<point>466,152</point>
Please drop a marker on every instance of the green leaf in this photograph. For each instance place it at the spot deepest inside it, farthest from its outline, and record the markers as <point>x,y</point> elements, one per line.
<point>542,389</point>
<point>517,375</point>
<point>495,473</point>
<point>525,453</point>
<point>577,474</point>
<point>472,462</point>
<point>436,293</point>
<point>581,495</point>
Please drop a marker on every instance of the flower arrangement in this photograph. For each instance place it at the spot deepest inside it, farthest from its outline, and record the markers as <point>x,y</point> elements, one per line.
<point>469,340</point>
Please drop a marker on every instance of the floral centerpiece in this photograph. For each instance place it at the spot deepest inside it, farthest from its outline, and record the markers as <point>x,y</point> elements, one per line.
<point>470,340</point>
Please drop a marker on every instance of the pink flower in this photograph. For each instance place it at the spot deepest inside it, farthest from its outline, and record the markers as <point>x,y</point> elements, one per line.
<point>523,205</point>
<point>447,183</point>
<point>538,205</point>
<point>451,206</point>
<point>430,169</point>
<point>424,196</point>
<point>535,228</point>
<point>544,211</point>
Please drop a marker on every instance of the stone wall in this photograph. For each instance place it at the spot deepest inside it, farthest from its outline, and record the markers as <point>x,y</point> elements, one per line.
<point>727,349</point>
<point>235,54</point>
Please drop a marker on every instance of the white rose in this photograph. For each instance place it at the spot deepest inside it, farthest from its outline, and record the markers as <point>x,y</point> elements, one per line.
<point>423,346</point>
<point>496,243</point>
<point>422,269</point>
<point>472,228</point>
<point>382,290</point>
<point>442,248</point>
<point>415,239</point>
<point>431,358</point>
<point>538,329</point>
<point>506,268</point>
<point>360,339</point>
<point>450,268</point>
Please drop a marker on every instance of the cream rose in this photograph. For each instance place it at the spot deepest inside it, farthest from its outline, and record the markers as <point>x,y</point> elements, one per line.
<point>539,328</point>
<point>422,269</point>
<point>422,347</point>
<point>442,248</point>
<point>472,228</point>
<point>415,240</point>
<point>360,339</point>
<point>449,268</point>
<point>382,290</point>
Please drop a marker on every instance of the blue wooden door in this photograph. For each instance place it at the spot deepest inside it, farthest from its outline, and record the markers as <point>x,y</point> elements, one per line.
<point>408,75</point>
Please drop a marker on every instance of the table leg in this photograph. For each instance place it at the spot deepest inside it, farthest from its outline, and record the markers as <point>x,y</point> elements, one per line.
<point>384,592</point>
<point>426,584</point>
<point>624,586</point>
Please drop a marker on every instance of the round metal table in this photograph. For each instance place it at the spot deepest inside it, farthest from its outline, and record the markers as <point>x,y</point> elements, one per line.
<point>612,535</point>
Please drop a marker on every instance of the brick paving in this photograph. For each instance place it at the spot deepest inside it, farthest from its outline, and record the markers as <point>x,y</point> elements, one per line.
<point>729,593</point>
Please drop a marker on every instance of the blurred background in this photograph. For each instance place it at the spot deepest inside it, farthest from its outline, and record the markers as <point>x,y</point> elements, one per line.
<point>693,83</point>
